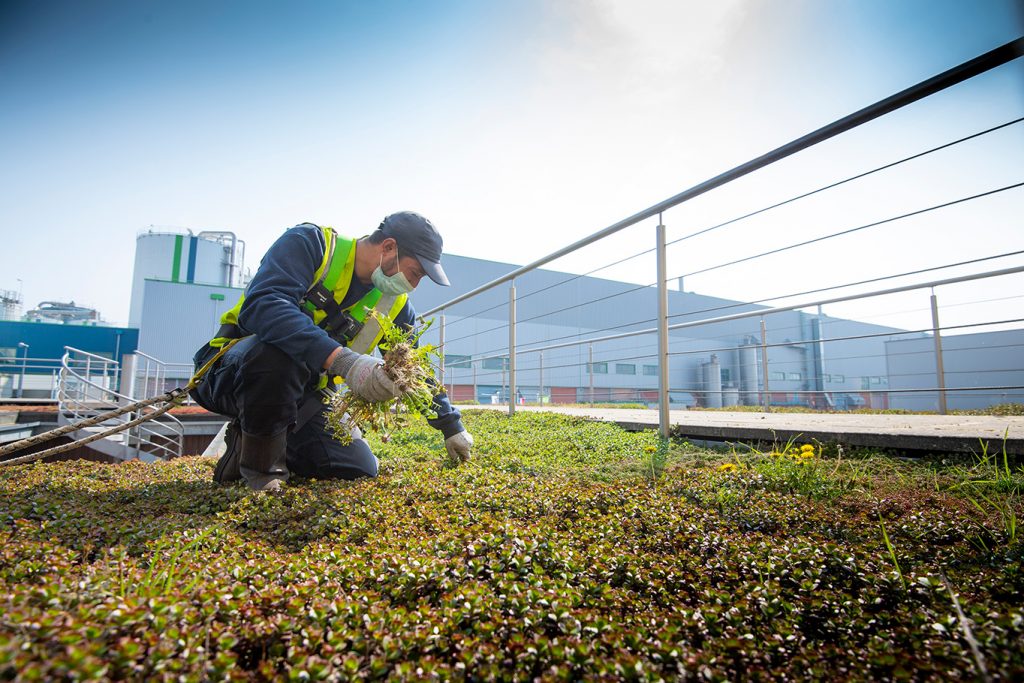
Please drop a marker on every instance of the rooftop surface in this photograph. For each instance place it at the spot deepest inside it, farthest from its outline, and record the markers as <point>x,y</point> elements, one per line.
<point>954,433</point>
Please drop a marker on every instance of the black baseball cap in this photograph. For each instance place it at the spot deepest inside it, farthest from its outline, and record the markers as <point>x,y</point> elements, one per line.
<point>417,236</point>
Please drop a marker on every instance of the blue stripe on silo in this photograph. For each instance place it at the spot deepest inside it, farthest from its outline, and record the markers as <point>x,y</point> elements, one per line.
<point>193,247</point>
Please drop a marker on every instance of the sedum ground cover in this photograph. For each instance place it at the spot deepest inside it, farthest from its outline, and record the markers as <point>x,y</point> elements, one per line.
<point>565,550</point>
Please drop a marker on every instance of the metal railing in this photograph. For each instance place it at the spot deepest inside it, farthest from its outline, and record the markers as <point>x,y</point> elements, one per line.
<point>87,388</point>
<point>151,376</point>
<point>763,385</point>
<point>21,376</point>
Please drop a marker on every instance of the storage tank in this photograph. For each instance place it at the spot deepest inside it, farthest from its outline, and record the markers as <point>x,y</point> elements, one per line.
<point>10,305</point>
<point>713,383</point>
<point>748,372</point>
<point>212,257</point>
<point>730,395</point>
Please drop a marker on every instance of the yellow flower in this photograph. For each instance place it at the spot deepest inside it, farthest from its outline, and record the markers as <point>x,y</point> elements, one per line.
<point>807,447</point>
<point>727,467</point>
<point>649,449</point>
<point>775,454</point>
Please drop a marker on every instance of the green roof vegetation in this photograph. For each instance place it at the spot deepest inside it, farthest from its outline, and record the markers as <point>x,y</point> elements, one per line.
<point>566,549</point>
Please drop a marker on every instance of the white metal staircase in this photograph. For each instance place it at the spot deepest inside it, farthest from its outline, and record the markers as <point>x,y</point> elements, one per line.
<point>86,389</point>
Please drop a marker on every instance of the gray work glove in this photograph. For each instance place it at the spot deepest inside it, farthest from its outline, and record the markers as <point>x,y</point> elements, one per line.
<point>458,446</point>
<point>365,376</point>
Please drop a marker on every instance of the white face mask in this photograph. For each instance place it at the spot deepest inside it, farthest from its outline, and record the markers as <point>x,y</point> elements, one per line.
<point>391,285</point>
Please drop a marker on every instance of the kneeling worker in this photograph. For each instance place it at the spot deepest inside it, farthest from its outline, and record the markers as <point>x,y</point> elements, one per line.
<point>302,321</point>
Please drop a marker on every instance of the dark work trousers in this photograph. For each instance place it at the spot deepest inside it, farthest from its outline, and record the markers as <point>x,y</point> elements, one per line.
<point>263,388</point>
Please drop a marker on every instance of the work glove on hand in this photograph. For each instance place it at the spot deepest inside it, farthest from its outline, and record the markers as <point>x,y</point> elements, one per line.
<point>365,376</point>
<point>458,446</point>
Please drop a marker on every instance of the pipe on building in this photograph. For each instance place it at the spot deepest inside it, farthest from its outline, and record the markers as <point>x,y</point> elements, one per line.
<point>231,259</point>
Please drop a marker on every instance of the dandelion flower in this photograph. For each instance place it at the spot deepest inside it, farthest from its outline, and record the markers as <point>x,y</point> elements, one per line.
<point>727,467</point>
<point>807,447</point>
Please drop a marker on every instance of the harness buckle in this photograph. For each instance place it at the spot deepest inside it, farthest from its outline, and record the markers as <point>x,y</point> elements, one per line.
<point>343,328</point>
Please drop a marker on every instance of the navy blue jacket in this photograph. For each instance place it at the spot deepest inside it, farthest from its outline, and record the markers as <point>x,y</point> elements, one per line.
<point>271,309</point>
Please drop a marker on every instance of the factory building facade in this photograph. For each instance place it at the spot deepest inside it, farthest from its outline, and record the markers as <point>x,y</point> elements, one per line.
<point>182,283</point>
<point>30,352</point>
<point>718,364</point>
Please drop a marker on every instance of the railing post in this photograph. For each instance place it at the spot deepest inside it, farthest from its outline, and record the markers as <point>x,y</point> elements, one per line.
<point>590,365</point>
<point>472,364</point>
<point>21,377</point>
<point>663,413</point>
<point>540,380</point>
<point>940,373</point>
<point>512,349</point>
<point>443,352</point>
<point>88,371</point>
<point>128,375</point>
<point>766,396</point>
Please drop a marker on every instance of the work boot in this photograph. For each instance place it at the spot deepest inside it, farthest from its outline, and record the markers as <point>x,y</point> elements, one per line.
<point>227,470</point>
<point>262,461</point>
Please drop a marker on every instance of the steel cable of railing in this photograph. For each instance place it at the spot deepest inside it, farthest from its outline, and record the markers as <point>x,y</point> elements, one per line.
<point>958,74</point>
<point>870,319</point>
<point>947,390</point>
<point>770,345</point>
<point>699,388</point>
<point>447,342</point>
<point>843,182</point>
<point>777,205</point>
<point>566,281</point>
<point>769,208</point>
<point>560,310</point>
<point>745,216</point>
<point>945,351</point>
<point>950,372</point>
<point>849,231</point>
<point>760,301</point>
<point>735,220</point>
<point>843,286</point>
<point>781,309</point>
<point>876,335</point>
<point>548,368</point>
<point>787,296</point>
<point>773,206</point>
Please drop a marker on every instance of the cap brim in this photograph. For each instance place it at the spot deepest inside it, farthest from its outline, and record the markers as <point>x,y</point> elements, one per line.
<point>434,272</point>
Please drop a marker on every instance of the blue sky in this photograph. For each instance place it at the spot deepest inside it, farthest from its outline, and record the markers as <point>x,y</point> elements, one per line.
<point>518,127</point>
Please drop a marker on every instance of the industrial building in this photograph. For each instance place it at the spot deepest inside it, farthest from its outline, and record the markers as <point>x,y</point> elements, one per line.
<point>715,365</point>
<point>970,361</point>
<point>33,343</point>
<point>183,283</point>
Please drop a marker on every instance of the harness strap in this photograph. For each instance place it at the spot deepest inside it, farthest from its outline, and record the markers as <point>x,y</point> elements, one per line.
<point>367,337</point>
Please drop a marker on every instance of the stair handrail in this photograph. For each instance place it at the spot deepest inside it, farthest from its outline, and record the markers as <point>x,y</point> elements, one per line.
<point>164,443</point>
<point>159,374</point>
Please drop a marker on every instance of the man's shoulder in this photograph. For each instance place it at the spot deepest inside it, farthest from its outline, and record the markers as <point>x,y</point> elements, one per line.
<point>310,234</point>
<point>305,229</point>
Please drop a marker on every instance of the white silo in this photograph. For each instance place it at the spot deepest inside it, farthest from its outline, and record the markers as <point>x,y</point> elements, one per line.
<point>748,373</point>
<point>712,383</point>
<point>210,257</point>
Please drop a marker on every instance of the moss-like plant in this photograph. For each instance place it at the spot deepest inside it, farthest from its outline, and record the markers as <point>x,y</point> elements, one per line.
<point>409,365</point>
